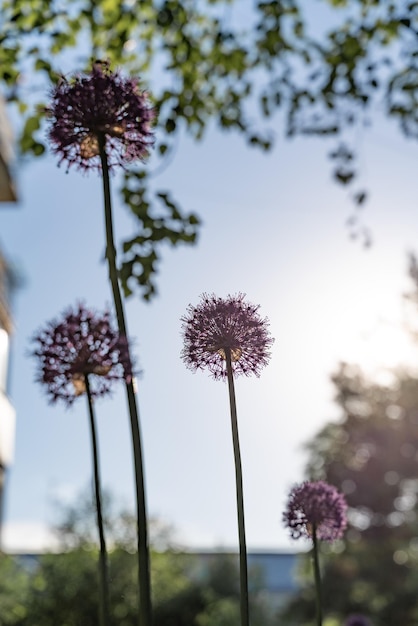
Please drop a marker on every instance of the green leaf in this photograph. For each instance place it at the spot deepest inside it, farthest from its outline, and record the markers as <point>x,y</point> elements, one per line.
<point>42,65</point>
<point>160,221</point>
<point>344,176</point>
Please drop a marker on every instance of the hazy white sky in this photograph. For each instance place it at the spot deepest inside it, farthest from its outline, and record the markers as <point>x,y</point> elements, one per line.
<point>273,228</point>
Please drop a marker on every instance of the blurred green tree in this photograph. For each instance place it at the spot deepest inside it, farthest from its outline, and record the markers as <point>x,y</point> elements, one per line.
<point>371,454</point>
<point>63,587</point>
<point>14,585</point>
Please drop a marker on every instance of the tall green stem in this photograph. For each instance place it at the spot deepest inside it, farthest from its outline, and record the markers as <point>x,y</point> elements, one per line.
<point>243,569</point>
<point>103,565</point>
<point>145,607</point>
<point>317,574</point>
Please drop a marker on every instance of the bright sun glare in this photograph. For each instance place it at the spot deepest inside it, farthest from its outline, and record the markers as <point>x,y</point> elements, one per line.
<point>382,346</point>
<point>372,325</point>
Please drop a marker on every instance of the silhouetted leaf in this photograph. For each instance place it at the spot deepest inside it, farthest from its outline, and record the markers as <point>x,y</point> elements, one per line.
<point>160,221</point>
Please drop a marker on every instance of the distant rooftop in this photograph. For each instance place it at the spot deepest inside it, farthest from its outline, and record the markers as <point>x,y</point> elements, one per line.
<point>277,570</point>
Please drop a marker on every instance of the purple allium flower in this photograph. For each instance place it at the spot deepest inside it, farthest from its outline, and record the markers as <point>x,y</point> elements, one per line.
<point>357,620</point>
<point>102,103</point>
<point>81,342</point>
<point>316,505</point>
<point>217,324</point>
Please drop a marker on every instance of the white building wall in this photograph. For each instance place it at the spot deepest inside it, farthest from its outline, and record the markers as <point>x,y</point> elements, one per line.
<point>7,431</point>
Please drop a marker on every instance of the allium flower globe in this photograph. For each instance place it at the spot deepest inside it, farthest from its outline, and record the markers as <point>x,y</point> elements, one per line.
<point>319,506</point>
<point>102,103</point>
<point>81,343</point>
<point>357,620</point>
<point>217,324</point>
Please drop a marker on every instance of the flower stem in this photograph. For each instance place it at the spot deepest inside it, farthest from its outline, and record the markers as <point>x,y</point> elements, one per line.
<point>243,570</point>
<point>103,564</point>
<point>317,574</point>
<point>145,607</point>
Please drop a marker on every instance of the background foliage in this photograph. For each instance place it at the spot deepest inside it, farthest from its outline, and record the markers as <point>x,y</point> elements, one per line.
<point>62,588</point>
<point>371,455</point>
<point>261,69</point>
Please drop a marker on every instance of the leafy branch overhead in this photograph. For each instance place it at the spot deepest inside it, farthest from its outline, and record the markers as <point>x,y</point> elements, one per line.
<point>160,221</point>
<point>236,64</point>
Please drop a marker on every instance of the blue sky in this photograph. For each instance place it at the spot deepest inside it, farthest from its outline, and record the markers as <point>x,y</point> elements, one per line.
<point>273,228</point>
